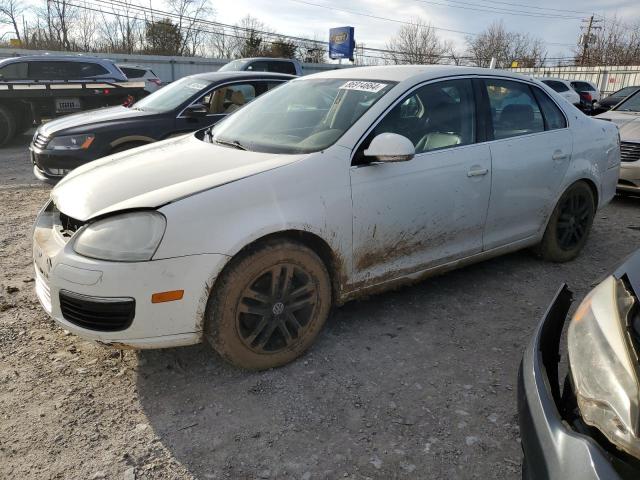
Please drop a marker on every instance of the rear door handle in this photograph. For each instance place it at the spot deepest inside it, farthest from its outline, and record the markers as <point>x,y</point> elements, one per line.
<point>558,155</point>
<point>477,172</point>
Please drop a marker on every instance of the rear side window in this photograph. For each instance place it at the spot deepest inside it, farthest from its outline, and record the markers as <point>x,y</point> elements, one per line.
<point>133,72</point>
<point>514,109</point>
<point>277,67</point>
<point>557,86</point>
<point>282,67</point>
<point>553,116</point>
<point>64,70</point>
<point>14,71</point>
<point>583,86</point>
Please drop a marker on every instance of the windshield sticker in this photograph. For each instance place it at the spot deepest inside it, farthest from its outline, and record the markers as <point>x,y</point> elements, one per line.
<point>197,85</point>
<point>373,87</point>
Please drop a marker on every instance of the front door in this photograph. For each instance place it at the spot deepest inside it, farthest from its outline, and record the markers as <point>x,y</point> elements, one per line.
<point>417,214</point>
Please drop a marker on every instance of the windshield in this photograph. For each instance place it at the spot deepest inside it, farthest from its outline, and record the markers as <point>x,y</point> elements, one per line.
<point>624,92</point>
<point>232,66</point>
<point>173,95</point>
<point>631,104</point>
<point>301,116</point>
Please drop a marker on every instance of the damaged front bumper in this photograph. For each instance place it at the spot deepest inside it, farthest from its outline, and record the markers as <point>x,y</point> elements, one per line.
<point>552,448</point>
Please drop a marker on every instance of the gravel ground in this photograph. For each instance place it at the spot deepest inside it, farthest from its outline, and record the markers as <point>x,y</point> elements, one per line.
<point>416,383</point>
<point>15,161</point>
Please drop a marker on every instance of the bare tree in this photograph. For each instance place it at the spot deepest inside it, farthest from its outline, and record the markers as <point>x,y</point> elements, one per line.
<point>224,45</point>
<point>506,47</point>
<point>10,12</point>
<point>615,43</point>
<point>254,35</point>
<point>187,16</point>
<point>312,51</point>
<point>86,31</point>
<point>122,30</point>
<point>416,43</point>
<point>61,15</point>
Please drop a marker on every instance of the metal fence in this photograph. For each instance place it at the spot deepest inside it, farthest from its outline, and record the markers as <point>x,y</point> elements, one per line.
<point>608,79</point>
<point>167,68</point>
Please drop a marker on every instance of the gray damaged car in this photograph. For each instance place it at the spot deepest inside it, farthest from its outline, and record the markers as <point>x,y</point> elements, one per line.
<point>588,428</point>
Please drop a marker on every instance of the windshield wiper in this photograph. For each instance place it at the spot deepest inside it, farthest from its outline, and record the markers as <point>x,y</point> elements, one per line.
<point>229,143</point>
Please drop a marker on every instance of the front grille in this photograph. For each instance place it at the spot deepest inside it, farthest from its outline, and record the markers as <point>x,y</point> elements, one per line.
<point>40,141</point>
<point>97,313</point>
<point>629,152</point>
<point>69,224</point>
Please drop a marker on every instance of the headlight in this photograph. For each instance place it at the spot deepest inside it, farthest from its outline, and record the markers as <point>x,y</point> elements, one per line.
<point>604,367</point>
<point>129,237</point>
<point>71,142</point>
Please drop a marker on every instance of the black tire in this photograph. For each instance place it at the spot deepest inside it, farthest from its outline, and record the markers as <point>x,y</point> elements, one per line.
<point>126,146</point>
<point>268,306</point>
<point>569,225</point>
<point>7,125</point>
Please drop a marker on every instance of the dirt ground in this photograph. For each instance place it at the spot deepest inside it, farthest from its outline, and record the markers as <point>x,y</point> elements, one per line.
<point>416,383</point>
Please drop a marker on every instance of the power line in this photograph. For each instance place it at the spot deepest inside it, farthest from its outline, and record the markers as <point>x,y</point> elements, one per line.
<point>500,10</point>
<point>535,7</point>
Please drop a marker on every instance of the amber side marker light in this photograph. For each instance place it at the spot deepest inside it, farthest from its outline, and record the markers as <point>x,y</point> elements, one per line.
<point>171,296</point>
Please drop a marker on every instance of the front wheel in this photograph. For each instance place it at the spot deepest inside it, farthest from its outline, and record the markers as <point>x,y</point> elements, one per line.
<point>569,225</point>
<point>268,306</point>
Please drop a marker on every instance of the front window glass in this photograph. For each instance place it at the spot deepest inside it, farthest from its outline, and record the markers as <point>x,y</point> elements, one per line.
<point>173,95</point>
<point>302,116</point>
<point>514,110</point>
<point>14,71</point>
<point>436,116</point>
<point>631,104</point>
<point>230,98</point>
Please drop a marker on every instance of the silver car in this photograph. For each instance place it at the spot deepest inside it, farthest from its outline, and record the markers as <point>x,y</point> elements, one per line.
<point>627,116</point>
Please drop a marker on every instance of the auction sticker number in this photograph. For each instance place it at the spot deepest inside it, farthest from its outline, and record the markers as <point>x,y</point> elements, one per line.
<point>372,87</point>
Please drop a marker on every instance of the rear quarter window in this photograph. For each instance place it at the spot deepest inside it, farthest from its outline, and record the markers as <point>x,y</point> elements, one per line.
<point>132,72</point>
<point>553,116</point>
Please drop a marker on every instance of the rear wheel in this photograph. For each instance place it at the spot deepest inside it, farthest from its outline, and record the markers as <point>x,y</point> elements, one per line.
<point>268,307</point>
<point>569,225</point>
<point>7,125</point>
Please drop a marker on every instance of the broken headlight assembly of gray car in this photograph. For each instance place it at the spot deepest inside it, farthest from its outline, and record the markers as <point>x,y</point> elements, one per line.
<point>602,342</point>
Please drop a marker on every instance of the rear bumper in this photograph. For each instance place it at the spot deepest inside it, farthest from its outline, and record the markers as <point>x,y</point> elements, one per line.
<point>552,449</point>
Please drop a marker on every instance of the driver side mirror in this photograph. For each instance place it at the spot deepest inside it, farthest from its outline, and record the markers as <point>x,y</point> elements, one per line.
<point>197,110</point>
<point>390,147</point>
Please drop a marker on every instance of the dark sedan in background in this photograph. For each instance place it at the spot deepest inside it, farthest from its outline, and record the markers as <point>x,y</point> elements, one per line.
<point>589,429</point>
<point>607,103</point>
<point>183,106</point>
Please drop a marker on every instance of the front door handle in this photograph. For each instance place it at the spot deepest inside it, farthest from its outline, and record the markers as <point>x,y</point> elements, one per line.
<point>477,172</point>
<point>559,155</point>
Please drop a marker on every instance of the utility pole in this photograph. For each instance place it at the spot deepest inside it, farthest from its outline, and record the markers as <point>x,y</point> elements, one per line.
<point>586,37</point>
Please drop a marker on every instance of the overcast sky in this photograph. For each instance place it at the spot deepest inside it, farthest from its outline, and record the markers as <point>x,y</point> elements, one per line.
<point>561,24</point>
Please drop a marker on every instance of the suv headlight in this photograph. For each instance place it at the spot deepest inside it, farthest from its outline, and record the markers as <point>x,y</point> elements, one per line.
<point>71,142</point>
<point>604,366</point>
<point>128,237</point>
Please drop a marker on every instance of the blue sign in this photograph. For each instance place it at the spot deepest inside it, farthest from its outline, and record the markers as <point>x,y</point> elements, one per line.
<point>341,43</point>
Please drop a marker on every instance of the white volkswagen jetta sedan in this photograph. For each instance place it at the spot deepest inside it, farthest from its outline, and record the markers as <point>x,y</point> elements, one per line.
<point>329,187</point>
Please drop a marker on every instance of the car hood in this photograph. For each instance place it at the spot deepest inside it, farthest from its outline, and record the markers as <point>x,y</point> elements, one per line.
<point>157,174</point>
<point>89,118</point>
<point>628,123</point>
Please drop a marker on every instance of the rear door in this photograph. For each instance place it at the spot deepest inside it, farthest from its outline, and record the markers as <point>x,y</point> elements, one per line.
<point>530,153</point>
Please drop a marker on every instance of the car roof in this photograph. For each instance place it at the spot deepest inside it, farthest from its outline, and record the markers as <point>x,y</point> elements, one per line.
<point>251,59</point>
<point>232,75</point>
<point>399,73</point>
<point>55,58</point>
<point>556,79</point>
